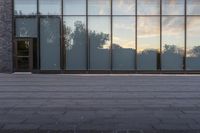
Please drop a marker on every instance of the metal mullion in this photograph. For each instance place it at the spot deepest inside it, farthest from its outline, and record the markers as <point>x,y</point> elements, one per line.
<point>193,15</point>
<point>111,32</point>
<point>26,16</point>
<point>62,48</point>
<point>87,40</point>
<point>160,65</point>
<point>136,47</point>
<point>13,37</point>
<point>74,15</point>
<point>38,38</point>
<point>149,15</point>
<point>98,15</point>
<point>185,47</point>
<point>123,15</point>
<point>173,15</point>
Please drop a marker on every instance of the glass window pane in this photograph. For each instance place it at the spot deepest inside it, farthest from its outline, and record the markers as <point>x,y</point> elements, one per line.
<point>148,42</point>
<point>99,40</point>
<point>193,43</point>
<point>25,7</point>
<point>173,7</point>
<point>50,7</point>
<point>23,28</point>
<point>148,7</point>
<point>75,43</point>
<point>99,7</point>
<point>193,7</point>
<point>123,47</point>
<point>50,43</point>
<point>172,43</point>
<point>123,7</point>
<point>74,7</point>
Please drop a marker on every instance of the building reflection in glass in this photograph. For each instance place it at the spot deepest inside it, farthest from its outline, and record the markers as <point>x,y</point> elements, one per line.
<point>75,42</point>
<point>148,42</point>
<point>123,47</point>
<point>193,43</point>
<point>88,43</point>
<point>99,42</point>
<point>173,43</point>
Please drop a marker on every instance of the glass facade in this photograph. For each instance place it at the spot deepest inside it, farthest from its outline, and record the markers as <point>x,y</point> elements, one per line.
<point>118,35</point>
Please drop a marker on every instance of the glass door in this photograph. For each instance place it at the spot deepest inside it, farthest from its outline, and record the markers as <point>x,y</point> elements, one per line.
<point>23,55</point>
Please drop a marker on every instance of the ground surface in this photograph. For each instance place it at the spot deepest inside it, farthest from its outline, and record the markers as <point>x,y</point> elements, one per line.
<point>100,103</point>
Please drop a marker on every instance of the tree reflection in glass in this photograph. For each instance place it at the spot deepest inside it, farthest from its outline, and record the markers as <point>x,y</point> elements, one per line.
<point>123,47</point>
<point>75,42</point>
<point>99,41</point>
<point>148,42</point>
<point>193,43</point>
<point>173,43</point>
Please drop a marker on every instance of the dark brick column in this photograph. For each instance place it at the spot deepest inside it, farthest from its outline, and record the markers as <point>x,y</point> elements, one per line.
<point>6,36</point>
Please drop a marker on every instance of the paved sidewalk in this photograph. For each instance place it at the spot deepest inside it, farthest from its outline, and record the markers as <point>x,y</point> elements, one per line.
<point>99,103</point>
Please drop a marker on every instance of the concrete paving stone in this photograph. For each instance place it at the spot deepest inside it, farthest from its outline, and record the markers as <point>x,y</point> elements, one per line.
<point>94,131</point>
<point>91,102</point>
<point>35,131</point>
<point>40,119</point>
<point>194,126</point>
<point>21,127</point>
<point>172,126</point>
<point>177,121</point>
<point>18,131</point>
<point>176,131</point>
<point>61,127</point>
<point>10,118</point>
<point>121,131</point>
<point>196,112</point>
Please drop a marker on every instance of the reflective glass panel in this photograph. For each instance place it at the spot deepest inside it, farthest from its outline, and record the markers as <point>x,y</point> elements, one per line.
<point>75,43</point>
<point>99,41</point>
<point>172,43</point>
<point>123,47</point>
<point>25,7</point>
<point>99,7</point>
<point>50,7</point>
<point>193,7</point>
<point>26,27</point>
<point>50,43</point>
<point>173,7</point>
<point>123,7</point>
<point>148,42</point>
<point>193,43</point>
<point>74,7</point>
<point>148,7</point>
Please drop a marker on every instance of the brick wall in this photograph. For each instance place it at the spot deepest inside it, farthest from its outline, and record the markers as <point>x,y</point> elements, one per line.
<point>6,36</point>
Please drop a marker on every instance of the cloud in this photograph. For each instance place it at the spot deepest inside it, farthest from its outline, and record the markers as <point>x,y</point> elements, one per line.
<point>148,27</point>
<point>124,43</point>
